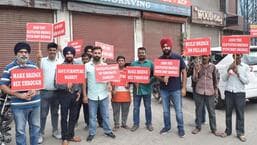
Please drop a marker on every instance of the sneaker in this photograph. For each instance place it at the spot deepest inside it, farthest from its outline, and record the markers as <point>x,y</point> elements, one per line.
<point>90,138</point>
<point>57,135</point>
<point>181,133</point>
<point>40,139</point>
<point>164,130</point>
<point>111,135</point>
<point>149,127</point>
<point>134,128</point>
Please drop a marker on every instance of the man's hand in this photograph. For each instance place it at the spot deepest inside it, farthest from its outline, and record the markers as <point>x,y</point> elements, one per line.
<point>69,86</point>
<point>166,80</point>
<point>183,92</point>
<point>31,93</point>
<point>23,96</point>
<point>85,99</point>
<point>78,97</point>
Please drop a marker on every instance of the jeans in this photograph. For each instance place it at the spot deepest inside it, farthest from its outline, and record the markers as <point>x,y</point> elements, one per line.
<point>103,105</point>
<point>202,117</point>
<point>200,102</point>
<point>69,110</point>
<point>148,111</point>
<point>237,101</point>
<point>21,117</point>
<point>124,108</point>
<point>49,99</point>
<point>175,97</point>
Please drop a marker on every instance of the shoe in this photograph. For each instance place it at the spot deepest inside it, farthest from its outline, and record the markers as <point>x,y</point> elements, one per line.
<point>115,128</point>
<point>75,139</point>
<point>164,130</point>
<point>196,130</point>
<point>223,135</point>
<point>134,128</point>
<point>125,127</point>
<point>57,135</point>
<point>111,135</point>
<point>242,138</point>
<point>40,139</point>
<point>90,138</point>
<point>149,127</point>
<point>181,133</point>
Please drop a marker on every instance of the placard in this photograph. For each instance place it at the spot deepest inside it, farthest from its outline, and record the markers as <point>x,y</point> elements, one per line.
<point>39,32</point>
<point>197,47</point>
<point>138,74</point>
<point>166,67</point>
<point>235,44</point>
<point>70,73</point>
<point>107,73</point>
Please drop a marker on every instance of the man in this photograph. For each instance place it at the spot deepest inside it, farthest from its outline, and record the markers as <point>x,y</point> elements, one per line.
<point>120,99</point>
<point>142,91</point>
<point>96,96</point>
<point>204,75</point>
<point>69,95</point>
<point>171,88</point>
<point>237,77</point>
<point>25,104</point>
<point>49,96</point>
<point>89,50</point>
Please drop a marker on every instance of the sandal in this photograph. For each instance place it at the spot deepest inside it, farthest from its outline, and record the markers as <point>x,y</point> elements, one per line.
<point>223,135</point>
<point>242,138</point>
<point>75,139</point>
<point>219,134</point>
<point>196,130</point>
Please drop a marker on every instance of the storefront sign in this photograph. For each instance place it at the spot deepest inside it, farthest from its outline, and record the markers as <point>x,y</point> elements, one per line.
<point>235,44</point>
<point>148,5</point>
<point>201,16</point>
<point>197,47</point>
<point>68,73</point>
<point>107,73</point>
<point>166,67</point>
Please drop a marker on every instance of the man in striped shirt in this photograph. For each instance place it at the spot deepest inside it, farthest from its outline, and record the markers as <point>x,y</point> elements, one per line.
<point>25,104</point>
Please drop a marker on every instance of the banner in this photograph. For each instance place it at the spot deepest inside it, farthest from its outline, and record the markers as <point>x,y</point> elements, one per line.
<point>59,29</point>
<point>138,74</point>
<point>70,73</point>
<point>235,44</point>
<point>166,67</point>
<point>39,32</point>
<point>107,73</point>
<point>26,79</point>
<point>78,45</point>
<point>123,79</point>
<point>197,47</point>
<point>108,50</point>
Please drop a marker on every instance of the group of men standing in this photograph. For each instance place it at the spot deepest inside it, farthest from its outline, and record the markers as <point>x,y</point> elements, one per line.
<point>95,96</point>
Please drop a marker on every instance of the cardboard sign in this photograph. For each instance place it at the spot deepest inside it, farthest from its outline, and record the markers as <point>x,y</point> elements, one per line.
<point>26,79</point>
<point>166,67</point>
<point>235,44</point>
<point>123,79</point>
<point>186,3</point>
<point>107,73</point>
<point>108,50</point>
<point>253,30</point>
<point>197,47</point>
<point>77,44</point>
<point>39,32</point>
<point>59,29</point>
<point>138,74</point>
<point>69,73</point>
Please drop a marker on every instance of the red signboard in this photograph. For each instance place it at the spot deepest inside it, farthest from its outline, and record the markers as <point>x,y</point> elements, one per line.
<point>108,50</point>
<point>68,73</point>
<point>59,29</point>
<point>39,32</point>
<point>26,79</point>
<point>186,3</point>
<point>138,74</point>
<point>235,44</point>
<point>197,47</point>
<point>123,79</point>
<point>107,73</point>
<point>77,44</point>
<point>253,30</point>
<point>166,67</point>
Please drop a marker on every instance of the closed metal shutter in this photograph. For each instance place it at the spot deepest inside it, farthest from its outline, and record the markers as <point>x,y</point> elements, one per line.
<point>13,29</point>
<point>113,30</point>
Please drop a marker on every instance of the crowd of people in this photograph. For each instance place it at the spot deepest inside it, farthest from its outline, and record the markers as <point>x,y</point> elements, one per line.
<point>32,107</point>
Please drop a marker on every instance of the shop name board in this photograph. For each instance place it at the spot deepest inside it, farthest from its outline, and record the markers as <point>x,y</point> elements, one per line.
<point>201,16</point>
<point>147,5</point>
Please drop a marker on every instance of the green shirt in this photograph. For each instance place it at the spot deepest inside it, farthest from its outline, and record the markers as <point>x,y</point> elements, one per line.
<point>144,89</point>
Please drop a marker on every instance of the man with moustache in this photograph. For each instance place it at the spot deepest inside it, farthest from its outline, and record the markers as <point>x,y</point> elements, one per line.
<point>171,88</point>
<point>97,96</point>
<point>25,104</point>
<point>69,95</point>
<point>49,96</point>
<point>206,78</point>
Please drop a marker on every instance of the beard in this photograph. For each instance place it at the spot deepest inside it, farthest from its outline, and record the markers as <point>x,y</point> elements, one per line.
<point>96,58</point>
<point>166,52</point>
<point>69,59</point>
<point>22,59</point>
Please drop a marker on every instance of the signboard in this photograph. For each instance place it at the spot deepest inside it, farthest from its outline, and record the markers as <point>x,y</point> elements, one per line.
<point>59,29</point>
<point>138,74</point>
<point>166,67</point>
<point>160,6</point>
<point>107,73</point>
<point>69,73</point>
<point>179,2</point>
<point>123,81</point>
<point>253,30</point>
<point>235,44</point>
<point>108,50</point>
<point>39,32</point>
<point>26,79</point>
<point>77,44</point>
<point>197,47</point>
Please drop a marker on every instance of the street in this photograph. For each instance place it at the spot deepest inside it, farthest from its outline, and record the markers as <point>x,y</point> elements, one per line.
<point>144,137</point>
